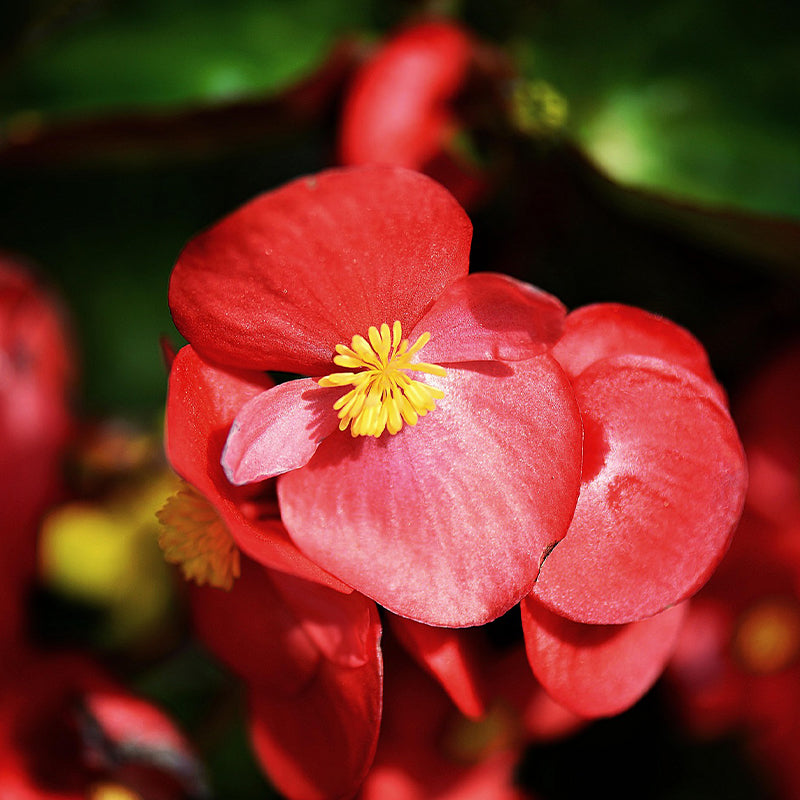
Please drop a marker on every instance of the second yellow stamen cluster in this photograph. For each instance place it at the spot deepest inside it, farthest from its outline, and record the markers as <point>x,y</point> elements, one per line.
<point>383,395</point>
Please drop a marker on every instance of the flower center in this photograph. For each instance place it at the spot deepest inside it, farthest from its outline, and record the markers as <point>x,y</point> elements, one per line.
<point>383,395</point>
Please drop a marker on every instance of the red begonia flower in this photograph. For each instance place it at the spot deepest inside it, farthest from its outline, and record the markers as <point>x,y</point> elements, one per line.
<point>399,108</point>
<point>311,661</point>
<point>36,372</point>
<point>446,521</point>
<point>663,471</point>
<point>202,402</point>
<point>68,732</point>
<point>598,670</point>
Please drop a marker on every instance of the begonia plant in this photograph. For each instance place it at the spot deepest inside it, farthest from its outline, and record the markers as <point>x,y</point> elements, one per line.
<point>461,444</point>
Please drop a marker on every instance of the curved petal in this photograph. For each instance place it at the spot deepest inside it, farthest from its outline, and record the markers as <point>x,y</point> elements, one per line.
<point>447,655</point>
<point>283,280</point>
<point>279,430</point>
<point>488,316</point>
<point>663,486</point>
<point>598,670</point>
<point>202,401</point>
<point>446,522</point>
<point>610,329</point>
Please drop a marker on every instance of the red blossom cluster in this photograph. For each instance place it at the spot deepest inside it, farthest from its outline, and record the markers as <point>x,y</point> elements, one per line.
<point>455,445</point>
<point>737,665</point>
<point>68,731</point>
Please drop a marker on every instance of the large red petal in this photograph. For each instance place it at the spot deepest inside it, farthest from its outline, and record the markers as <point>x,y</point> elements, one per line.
<point>283,280</point>
<point>488,316</point>
<point>447,522</point>
<point>663,486</point>
<point>598,670</point>
<point>202,401</point>
<point>609,329</point>
<point>447,654</point>
<point>279,430</point>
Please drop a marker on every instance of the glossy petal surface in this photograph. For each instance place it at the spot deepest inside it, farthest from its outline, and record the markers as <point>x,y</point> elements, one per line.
<point>398,518</point>
<point>598,670</point>
<point>279,430</point>
<point>662,489</point>
<point>599,331</point>
<point>488,316</point>
<point>283,280</point>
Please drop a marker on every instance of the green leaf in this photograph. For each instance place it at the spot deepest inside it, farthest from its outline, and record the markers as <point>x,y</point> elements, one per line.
<point>695,99</point>
<point>155,54</point>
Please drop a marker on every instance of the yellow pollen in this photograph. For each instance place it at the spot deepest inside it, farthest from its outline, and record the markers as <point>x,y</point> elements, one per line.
<point>383,394</point>
<point>768,636</point>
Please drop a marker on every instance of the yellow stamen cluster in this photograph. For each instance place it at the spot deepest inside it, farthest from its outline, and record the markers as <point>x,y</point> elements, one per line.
<point>195,538</point>
<point>383,395</point>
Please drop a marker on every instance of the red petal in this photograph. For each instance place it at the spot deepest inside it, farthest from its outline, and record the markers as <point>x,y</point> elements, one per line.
<point>319,743</point>
<point>279,430</point>
<point>270,649</point>
<point>201,404</point>
<point>396,111</point>
<point>449,656</point>
<point>663,486</point>
<point>609,329</point>
<point>446,522</point>
<point>283,280</point>
<point>486,316</point>
<point>598,670</point>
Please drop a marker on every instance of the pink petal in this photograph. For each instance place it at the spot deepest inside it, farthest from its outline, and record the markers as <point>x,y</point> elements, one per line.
<point>449,656</point>
<point>283,280</point>
<point>488,316</point>
<point>609,329</point>
<point>663,486</point>
<point>446,522</point>
<point>202,401</point>
<point>598,670</point>
<point>279,430</point>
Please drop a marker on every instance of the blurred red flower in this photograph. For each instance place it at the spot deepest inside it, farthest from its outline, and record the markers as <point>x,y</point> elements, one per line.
<point>737,666</point>
<point>400,106</point>
<point>36,374</point>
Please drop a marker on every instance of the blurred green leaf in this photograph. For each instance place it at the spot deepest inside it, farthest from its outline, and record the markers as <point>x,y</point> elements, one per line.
<point>695,99</point>
<point>148,53</point>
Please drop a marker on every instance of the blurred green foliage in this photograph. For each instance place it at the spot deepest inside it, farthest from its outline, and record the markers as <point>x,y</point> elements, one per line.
<point>145,53</point>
